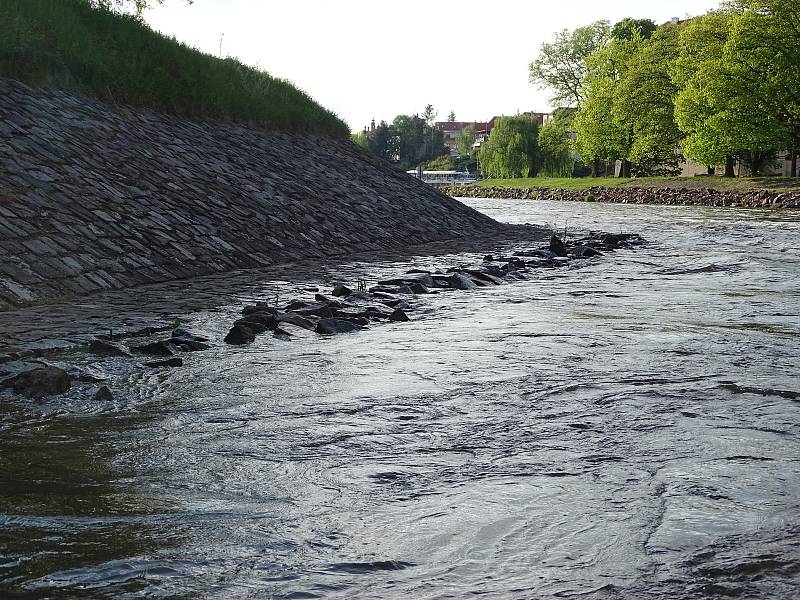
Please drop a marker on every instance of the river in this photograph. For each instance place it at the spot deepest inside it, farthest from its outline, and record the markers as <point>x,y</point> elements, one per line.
<point>627,428</point>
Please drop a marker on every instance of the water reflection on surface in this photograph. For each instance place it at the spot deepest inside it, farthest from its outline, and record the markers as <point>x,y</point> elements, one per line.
<point>627,428</point>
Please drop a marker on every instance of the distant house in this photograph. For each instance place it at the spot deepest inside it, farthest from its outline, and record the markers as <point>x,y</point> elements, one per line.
<point>453,129</point>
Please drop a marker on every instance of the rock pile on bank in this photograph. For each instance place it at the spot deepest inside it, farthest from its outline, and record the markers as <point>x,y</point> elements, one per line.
<point>630,195</point>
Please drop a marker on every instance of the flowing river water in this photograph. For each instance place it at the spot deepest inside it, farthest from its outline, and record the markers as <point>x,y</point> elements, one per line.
<point>625,428</point>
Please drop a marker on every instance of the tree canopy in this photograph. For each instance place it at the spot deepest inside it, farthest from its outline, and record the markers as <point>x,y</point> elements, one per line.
<point>561,64</point>
<point>626,28</point>
<point>512,149</point>
<point>710,88</point>
<point>408,141</point>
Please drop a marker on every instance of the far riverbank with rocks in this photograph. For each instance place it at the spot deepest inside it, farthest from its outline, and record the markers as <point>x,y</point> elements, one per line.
<point>631,195</point>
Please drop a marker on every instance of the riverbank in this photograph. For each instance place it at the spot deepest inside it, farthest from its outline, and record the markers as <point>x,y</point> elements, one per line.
<point>721,184</point>
<point>638,195</point>
<point>97,197</point>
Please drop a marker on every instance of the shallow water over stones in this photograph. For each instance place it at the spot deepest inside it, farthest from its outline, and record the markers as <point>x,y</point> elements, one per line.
<point>627,428</point>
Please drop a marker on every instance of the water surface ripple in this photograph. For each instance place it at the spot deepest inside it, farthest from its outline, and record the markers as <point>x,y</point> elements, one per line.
<point>624,429</point>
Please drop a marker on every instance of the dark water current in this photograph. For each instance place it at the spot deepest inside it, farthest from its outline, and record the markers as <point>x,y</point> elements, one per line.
<point>625,429</point>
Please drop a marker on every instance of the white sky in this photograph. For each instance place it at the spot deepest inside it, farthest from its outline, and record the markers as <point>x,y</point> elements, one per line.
<point>375,58</point>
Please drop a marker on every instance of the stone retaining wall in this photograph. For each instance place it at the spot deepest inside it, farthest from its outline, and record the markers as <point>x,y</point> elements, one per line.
<point>96,197</point>
<point>629,195</point>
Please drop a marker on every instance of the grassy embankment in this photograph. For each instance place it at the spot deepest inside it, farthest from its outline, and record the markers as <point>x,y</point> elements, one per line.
<point>68,45</point>
<point>782,184</point>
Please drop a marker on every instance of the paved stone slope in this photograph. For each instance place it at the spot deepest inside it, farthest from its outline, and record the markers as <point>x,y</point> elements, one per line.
<point>96,197</point>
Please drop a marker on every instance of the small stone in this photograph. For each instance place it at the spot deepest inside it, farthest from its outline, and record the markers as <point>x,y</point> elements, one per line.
<point>461,282</point>
<point>105,347</point>
<point>104,394</point>
<point>175,361</point>
<point>256,328</point>
<point>341,290</point>
<point>557,247</point>
<point>295,319</point>
<point>239,335</point>
<point>331,326</point>
<point>398,315</point>
<point>158,348</point>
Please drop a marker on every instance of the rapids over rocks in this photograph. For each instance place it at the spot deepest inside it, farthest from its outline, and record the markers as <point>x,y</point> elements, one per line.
<point>626,427</point>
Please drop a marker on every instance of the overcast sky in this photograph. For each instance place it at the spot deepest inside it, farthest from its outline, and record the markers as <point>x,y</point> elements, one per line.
<point>376,58</point>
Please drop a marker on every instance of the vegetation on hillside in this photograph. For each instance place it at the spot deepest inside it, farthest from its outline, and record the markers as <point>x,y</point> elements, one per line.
<point>86,47</point>
<point>717,88</point>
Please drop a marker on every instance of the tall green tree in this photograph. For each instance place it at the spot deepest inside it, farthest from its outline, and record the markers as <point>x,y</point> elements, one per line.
<point>561,64</point>
<point>512,149</point>
<point>465,140</point>
<point>416,141</point>
<point>555,149</point>
<point>429,115</point>
<point>731,101</point>
<point>763,52</point>
<point>644,103</point>
<point>600,133</point>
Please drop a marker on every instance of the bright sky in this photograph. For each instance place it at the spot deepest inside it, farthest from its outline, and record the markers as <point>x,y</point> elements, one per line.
<point>376,58</point>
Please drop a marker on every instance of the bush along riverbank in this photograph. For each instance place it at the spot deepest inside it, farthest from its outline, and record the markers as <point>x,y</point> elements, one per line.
<point>346,309</point>
<point>631,195</point>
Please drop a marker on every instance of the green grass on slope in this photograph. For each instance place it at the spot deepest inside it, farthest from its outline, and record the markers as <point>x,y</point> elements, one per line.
<point>67,44</point>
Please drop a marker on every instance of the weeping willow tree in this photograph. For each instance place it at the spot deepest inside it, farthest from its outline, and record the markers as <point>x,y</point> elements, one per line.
<point>555,147</point>
<point>512,149</point>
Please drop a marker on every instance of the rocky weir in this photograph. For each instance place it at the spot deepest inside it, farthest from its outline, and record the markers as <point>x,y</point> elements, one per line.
<point>348,308</point>
<point>637,195</point>
<point>97,197</point>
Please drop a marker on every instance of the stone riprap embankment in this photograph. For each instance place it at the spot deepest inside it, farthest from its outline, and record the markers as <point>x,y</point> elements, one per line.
<point>632,195</point>
<point>97,197</point>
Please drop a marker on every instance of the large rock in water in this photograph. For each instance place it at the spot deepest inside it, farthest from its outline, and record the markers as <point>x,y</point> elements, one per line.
<point>39,383</point>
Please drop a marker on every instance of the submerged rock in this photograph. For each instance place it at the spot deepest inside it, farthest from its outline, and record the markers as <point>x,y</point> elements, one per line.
<point>332,326</point>
<point>42,382</point>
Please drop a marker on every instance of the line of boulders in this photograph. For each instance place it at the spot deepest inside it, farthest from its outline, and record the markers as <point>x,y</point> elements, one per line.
<point>638,195</point>
<point>346,310</point>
